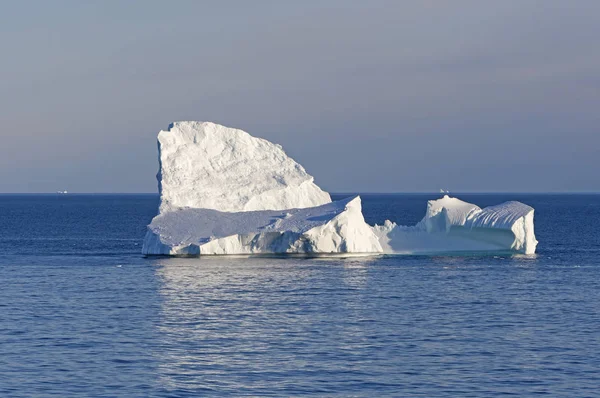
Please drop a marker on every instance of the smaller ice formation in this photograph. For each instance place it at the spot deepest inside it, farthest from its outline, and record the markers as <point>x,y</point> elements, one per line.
<point>451,225</point>
<point>223,191</point>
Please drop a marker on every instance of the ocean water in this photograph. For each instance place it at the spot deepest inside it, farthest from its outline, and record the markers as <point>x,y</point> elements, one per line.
<point>82,313</point>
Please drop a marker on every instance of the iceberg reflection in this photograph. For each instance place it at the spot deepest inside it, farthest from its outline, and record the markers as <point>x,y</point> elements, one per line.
<point>242,323</point>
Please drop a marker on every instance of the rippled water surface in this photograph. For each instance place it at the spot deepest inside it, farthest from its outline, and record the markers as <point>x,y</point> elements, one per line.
<point>83,314</point>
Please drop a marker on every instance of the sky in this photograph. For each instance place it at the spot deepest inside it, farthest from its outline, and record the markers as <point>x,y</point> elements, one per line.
<point>369,96</point>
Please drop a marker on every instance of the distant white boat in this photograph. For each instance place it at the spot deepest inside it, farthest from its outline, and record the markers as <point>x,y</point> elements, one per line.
<point>442,191</point>
<point>62,192</point>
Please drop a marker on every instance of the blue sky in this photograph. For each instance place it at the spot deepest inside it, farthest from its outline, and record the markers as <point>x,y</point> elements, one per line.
<point>379,96</point>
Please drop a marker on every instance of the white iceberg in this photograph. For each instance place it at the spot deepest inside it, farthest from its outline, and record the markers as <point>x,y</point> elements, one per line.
<point>225,192</point>
<point>452,225</point>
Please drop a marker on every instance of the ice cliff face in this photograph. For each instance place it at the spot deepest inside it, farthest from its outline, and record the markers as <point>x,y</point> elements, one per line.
<point>226,192</point>
<point>209,166</point>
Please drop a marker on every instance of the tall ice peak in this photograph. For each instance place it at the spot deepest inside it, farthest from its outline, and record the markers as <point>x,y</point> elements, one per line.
<point>210,166</point>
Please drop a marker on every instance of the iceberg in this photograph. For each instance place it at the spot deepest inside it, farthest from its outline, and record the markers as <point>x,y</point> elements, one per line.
<point>452,225</point>
<point>225,192</point>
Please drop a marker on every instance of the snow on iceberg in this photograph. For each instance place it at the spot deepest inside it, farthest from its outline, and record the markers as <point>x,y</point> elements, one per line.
<point>226,192</point>
<point>209,166</point>
<point>452,225</point>
<point>336,227</point>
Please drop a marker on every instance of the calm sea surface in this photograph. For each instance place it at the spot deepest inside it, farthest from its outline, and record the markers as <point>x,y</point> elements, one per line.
<point>82,313</point>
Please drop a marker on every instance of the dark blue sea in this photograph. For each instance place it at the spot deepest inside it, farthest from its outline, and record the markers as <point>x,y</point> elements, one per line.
<point>83,314</point>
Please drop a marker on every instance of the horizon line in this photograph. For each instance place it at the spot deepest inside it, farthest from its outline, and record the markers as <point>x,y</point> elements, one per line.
<point>340,193</point>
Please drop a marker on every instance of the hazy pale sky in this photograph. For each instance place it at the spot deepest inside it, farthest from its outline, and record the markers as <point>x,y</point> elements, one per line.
<point>380,96</point>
